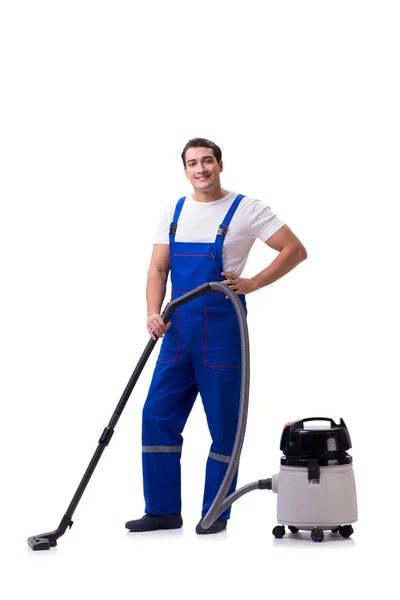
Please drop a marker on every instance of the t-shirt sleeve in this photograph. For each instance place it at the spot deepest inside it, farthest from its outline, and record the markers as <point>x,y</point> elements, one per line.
<point>162,231</point>
<point>263,222</point>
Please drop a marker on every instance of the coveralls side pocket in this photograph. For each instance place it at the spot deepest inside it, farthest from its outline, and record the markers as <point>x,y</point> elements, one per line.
<point>172,341</point>
<point>221,338</point>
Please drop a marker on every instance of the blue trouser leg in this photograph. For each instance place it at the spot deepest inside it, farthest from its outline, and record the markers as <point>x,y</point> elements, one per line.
<point>222,419</point>
<point>219,387</point>
<point>172,393</point>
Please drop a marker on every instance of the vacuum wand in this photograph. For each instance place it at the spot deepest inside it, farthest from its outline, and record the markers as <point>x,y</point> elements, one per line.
<point>44,541</point>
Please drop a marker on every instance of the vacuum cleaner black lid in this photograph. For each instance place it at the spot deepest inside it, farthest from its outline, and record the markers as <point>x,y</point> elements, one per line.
<point>299,441</point>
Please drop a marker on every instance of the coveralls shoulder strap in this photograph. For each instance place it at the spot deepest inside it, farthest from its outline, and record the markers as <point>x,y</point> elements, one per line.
<point>223,228</point>
<point>177,212</point>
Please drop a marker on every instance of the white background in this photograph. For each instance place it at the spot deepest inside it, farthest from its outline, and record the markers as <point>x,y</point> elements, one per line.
<point>98,100</point>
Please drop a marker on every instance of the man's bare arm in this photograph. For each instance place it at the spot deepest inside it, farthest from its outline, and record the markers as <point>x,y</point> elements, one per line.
<point>157,277</point>
<point>291,253</point>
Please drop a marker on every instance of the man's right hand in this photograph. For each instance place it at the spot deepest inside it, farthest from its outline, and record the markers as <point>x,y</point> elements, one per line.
<point>156,326</point>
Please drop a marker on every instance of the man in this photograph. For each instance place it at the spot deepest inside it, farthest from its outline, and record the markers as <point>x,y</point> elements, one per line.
<point>204,237</point>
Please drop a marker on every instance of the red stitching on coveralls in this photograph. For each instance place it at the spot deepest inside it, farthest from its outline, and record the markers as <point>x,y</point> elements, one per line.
<point>210,255</point>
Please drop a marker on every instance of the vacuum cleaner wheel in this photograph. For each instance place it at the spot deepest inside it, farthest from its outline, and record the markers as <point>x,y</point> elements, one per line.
<point>279,531</point>
<point>317,535</point>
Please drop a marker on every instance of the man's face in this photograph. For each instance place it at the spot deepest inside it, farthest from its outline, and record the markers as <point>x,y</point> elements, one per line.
<point>202,169</point>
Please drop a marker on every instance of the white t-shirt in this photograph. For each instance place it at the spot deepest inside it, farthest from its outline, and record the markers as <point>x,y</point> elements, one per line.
<point>199,222</point>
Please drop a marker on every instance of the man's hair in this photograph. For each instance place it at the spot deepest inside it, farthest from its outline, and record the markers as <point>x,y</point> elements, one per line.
<point>202,143</point>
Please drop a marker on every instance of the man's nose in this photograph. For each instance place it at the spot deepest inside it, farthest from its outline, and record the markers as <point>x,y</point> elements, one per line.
<point>201,168</point>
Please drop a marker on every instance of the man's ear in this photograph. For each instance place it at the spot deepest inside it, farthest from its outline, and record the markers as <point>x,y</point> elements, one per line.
<point>221,166</point>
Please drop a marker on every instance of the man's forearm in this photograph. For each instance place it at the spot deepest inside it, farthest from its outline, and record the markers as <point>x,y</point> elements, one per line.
<point>155,290</point>
<point>287,259</point>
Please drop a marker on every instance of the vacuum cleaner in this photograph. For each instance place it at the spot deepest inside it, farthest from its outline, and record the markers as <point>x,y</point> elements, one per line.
<point>315,486</point>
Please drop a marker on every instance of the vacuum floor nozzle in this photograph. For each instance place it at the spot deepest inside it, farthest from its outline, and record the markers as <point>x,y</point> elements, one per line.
<point>45,541</point>
<point>40,542</point>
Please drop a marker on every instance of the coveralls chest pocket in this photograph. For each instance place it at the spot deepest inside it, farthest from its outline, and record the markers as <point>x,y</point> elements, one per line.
<point>193,266</point>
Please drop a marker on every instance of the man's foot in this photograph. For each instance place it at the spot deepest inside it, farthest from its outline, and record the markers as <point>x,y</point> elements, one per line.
<point>154,522</point>
<point>219,525</point>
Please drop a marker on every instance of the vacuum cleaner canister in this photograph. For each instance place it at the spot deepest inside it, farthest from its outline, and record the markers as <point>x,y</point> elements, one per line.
<point>315,486</point>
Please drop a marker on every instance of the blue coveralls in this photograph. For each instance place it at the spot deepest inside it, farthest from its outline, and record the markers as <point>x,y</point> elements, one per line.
<point>200,353</point>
